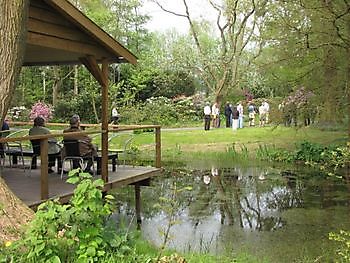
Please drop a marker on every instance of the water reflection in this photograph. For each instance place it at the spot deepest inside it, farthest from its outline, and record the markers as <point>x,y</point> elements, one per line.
<point>258,209</point>
<point>249,201</point>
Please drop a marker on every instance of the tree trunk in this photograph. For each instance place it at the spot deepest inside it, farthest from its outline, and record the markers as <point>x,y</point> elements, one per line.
<point>13,21</point>
<point>56,85</point>
<point>14,214</point>
<point>13,17</point>
<point>76,72</point>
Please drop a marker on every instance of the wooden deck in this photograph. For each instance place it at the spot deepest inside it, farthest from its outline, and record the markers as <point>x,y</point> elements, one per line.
<point>27,186</point>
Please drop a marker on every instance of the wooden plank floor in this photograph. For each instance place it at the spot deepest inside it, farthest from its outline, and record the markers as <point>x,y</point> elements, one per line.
<point>27,185</point>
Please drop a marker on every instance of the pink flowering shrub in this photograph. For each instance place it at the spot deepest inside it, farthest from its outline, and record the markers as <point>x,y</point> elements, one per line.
<point>299,105</point>
<point>40,109</point>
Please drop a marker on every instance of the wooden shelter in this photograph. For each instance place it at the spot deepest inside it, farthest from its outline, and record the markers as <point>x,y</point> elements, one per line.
<point>59,34</point>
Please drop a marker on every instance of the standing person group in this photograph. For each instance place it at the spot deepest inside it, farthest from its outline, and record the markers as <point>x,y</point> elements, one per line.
<point>211,114</point>
<point>234,115</point>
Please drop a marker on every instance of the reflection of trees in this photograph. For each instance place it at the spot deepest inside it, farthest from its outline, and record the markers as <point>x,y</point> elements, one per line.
<point>257,202</point>
<point>225,209</point>
<point>241,196</point>
<point>202,200</point>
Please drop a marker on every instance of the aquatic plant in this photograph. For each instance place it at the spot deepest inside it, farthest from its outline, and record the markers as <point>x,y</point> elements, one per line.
<point>343,238</point>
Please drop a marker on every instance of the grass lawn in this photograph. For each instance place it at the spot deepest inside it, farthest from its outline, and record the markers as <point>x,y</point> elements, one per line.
<point>218,140</point>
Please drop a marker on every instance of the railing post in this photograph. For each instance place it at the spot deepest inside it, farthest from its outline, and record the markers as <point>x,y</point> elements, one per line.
<point>104,137</point>
<point>158,148</point>
<point>44,184</point>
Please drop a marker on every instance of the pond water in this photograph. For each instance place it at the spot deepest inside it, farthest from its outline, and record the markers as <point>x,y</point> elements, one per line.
<point>273,214</point>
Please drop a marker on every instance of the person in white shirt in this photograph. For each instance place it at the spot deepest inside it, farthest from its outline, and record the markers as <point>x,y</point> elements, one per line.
<point>262,115</point>
<point>207,118</point>
<point>115,116</point>
<point>215,111</point>
<point>267,111</point>
<point>240,117</point>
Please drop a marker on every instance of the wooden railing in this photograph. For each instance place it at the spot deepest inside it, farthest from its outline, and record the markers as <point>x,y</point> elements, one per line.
<point>104,173</point>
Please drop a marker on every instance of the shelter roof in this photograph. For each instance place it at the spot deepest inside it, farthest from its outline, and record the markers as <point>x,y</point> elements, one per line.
<point>59,34</point>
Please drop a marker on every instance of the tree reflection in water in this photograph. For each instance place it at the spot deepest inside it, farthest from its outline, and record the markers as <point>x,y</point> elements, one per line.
<point>246,205</point>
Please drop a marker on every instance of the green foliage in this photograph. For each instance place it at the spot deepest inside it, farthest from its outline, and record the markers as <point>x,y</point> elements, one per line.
<point>163,111</point>
<point>77,105</point>
<point>309,152</point>
<point>271,153</point>
<point>76,232</point>
<point>329,159</point>
<point>343,238</point>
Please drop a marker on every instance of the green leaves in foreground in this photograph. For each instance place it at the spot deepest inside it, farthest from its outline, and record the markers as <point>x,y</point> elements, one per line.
<point>343,238</point>
<point>76,232</point>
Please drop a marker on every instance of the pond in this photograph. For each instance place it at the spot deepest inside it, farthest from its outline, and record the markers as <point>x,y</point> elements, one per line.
<point>273,214</point>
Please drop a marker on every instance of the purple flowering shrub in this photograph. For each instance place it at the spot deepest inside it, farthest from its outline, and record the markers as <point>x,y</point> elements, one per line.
<point>40,109</point>
<point>299,105</point>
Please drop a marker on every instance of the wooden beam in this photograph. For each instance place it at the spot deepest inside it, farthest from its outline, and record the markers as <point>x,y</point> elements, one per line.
<point>44,183</point>
<point>65,44</point>
<point>59,31</point>
<point>49,16</point>
<point>91,64</point>
<point>104,137</point>
<point>77,17</point>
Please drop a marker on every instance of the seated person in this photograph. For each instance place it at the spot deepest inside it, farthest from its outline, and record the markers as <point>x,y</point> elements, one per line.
<point>5,127</point>
<point>39,129</point>
<point>86,148</point>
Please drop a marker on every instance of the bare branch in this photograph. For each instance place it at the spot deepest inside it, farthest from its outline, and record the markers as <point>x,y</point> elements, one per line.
<point>221,29</point>
<point>167,10</point>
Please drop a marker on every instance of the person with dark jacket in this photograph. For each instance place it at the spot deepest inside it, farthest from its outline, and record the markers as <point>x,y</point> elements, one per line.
<point>235,116</point>
<point>54,149</point>
<point>5,130</point>
<point>86,148</point>
<point>228,114</point>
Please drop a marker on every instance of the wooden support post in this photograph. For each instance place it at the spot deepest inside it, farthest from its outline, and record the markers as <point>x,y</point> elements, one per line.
<point>104,137</point>
<point>102,77</point>
<point>44,184</point>
<point>138,204</point>
<point>158,148</point>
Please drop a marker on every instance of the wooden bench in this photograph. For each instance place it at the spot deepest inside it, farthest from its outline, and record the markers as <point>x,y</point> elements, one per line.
<point>15,153</point>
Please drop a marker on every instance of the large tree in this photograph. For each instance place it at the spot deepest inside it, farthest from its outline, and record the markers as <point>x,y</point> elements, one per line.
<point>221,64</point>
<point>13,16</point>
<point>307,44</point>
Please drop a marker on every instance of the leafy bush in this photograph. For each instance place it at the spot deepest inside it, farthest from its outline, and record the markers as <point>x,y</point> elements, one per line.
<point>80,105</point>
<point>343,238</point>
<point>309,152</point>
<point>329,159</point>
<point>163,111</point>
<point>76,232</point>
